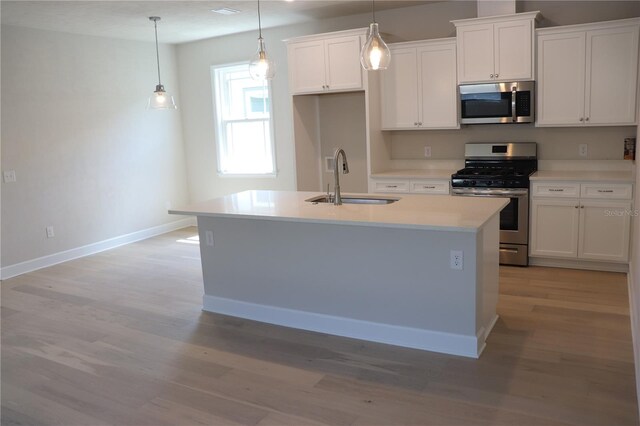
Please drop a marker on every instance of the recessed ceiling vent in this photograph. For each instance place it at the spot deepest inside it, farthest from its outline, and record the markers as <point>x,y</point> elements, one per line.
<point>225,11</point>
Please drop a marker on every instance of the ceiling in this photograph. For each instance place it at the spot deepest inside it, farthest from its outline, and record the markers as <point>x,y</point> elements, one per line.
<point>182,21</point>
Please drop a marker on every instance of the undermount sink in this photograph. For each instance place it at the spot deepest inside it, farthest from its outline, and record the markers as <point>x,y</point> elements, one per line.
<point>346,199</point>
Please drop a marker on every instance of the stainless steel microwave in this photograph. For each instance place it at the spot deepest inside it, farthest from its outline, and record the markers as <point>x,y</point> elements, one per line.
<point>497,102</point>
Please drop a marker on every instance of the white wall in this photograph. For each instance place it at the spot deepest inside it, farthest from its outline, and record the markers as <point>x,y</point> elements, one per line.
<point>90,160</point>
<point>634,274</point>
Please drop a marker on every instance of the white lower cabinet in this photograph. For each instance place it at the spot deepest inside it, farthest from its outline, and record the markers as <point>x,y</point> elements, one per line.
<point>588,227</point>
<point>554,227</point>
<point>604,230</point>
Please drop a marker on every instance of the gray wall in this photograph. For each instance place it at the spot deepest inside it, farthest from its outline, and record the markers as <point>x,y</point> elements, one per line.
<point>90,160</point>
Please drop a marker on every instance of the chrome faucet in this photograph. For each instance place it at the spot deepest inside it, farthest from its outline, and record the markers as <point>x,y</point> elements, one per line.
<point>337,199</point>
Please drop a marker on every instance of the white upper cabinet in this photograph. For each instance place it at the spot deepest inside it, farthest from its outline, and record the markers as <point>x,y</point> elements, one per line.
<point>325,62</point>
<point>588,74</point>
<point>419,87</point>
<point>496,48</point>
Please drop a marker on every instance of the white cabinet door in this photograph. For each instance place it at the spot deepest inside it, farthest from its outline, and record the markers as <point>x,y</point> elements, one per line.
<point>475,53</point>
<point>588,76</point>
<point>343,69</point>
<point>400,90</point>
<point>513,50</point>
<point>561,79</point>
<point>307,67</point>
<point>605,227</point>
<point>554,228</point>
<point>438,88</point>
<point>612,67</point>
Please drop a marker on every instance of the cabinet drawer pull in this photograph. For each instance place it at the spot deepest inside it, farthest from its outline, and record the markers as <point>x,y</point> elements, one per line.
<point>391,186</point>
<point>575,207</point>
<point>605,190</point>
<point>556,189</point>
<point>582,207</point>
<point>428,187</point>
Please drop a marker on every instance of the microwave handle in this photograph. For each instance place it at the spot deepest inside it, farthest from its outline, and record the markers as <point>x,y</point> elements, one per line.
<point>514,116</point>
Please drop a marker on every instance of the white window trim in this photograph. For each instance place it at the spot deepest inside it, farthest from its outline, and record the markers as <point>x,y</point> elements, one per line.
<point>217,93</point>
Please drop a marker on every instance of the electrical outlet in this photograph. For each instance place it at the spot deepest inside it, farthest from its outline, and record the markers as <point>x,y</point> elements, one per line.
<point>328,164</point>
<point>9,176</point>
<point>583,150</point>
<point>50,233</point>
<point>456,260</point>
<point>208,237</point>
<point>427,151</point>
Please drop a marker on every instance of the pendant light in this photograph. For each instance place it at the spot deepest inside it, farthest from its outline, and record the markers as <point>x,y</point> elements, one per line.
<point>160,99</point>
<point>261,67</point>
<point>375,54</point>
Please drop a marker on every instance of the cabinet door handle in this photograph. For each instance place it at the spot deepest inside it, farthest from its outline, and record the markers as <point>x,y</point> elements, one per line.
<point>496,75</point>
<point>582,207</point>
<point>490,75</point>
<point>581,119</point>
<point>575,207</point>
<point>586,119</point>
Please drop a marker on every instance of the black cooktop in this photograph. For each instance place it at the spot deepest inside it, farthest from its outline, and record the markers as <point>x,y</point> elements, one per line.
<point>494,174</point>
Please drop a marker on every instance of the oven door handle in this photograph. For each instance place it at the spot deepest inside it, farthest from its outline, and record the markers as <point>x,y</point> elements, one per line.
<point>491,193</point>
<point>514,116</point>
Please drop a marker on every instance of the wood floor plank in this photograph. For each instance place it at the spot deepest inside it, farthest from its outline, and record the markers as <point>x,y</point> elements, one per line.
<point>119,338</point>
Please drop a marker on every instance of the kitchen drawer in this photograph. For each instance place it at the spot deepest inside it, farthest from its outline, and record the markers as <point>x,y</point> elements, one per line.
<point>555,189</point>
<point>391,186</point>
<point>437,187</point>
<point>619,191</point>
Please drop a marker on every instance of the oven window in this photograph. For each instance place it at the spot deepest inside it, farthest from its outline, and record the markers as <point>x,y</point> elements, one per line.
<point>484,105</point>
<point>509,216</point>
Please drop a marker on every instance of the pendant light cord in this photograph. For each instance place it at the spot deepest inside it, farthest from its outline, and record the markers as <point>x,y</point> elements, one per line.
<point>259,21</point>
<point>155,25</point>
<point>373,9</point>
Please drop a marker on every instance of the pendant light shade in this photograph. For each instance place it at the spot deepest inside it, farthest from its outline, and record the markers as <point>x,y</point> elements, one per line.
<point>375,54</point>
<point>160,99</point>
<point>261,66</point>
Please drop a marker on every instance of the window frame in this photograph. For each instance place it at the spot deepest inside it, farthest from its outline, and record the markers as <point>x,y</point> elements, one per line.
<point>220,124</point>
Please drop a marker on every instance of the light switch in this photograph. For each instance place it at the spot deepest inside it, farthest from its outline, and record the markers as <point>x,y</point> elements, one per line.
<point>9,176</point>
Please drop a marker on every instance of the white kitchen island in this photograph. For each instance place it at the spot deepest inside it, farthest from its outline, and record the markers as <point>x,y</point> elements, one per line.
<point>372,272</point>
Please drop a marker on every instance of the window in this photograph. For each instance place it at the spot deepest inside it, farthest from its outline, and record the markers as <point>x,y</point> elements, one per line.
<point>243,122</point>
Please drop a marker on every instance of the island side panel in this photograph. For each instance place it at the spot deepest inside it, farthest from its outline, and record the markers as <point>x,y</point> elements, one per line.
<point>488,243</point>
<point>376,283</point>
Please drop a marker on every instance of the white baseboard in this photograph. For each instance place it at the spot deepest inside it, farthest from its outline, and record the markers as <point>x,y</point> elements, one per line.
<point>64,256</point>
<point>579,264</point>
<point>436,341</point>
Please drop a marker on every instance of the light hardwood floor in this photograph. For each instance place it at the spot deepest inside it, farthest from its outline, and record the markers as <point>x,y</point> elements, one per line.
<point>119,338</point>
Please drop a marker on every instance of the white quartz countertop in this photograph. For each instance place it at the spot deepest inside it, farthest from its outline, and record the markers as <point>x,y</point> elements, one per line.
<point>414,174</point>
<point>574,175</point>
<point>428,212</point>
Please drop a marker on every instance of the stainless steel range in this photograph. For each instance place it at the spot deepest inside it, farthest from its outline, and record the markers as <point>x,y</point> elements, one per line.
<point>502,170</point>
